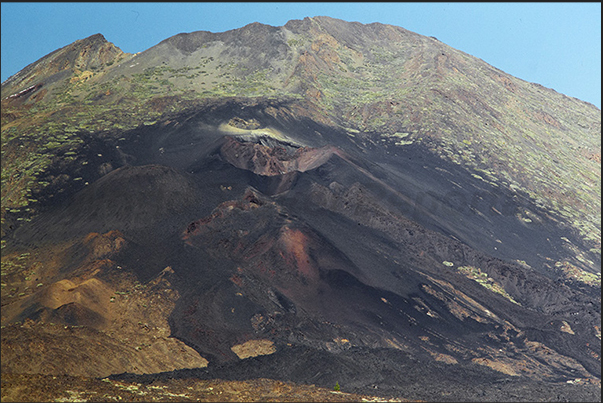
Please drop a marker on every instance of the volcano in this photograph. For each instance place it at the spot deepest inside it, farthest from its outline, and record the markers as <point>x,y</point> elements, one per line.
<point>320,203</point>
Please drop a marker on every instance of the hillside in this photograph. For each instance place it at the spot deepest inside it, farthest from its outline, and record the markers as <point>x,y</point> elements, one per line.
<point>320,202</point>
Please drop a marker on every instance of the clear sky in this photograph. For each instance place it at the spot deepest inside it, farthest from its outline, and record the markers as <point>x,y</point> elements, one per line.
<point>557,45</point>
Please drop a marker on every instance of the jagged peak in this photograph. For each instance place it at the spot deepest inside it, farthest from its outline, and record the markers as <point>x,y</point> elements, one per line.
<point>98,37</point>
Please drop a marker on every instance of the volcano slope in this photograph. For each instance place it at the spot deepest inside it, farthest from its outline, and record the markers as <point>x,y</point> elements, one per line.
<point>307,254</point>
<point>260,237</point>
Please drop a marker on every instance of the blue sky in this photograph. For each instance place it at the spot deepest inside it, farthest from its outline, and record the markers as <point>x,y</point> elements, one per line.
<point>557,45</point>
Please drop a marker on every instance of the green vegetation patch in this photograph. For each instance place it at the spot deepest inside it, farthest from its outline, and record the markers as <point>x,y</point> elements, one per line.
<point>475,274</point>
<point>572,273</point>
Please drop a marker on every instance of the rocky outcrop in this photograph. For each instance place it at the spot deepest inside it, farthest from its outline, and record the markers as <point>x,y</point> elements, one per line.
<point>78,61</point>
<point>273,161</point>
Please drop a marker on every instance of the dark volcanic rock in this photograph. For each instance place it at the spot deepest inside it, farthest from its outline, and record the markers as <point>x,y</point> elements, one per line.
<point>132,199</point>
<point>272,161</point>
